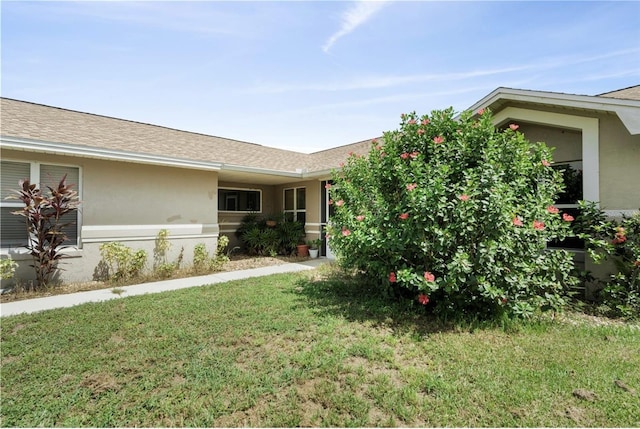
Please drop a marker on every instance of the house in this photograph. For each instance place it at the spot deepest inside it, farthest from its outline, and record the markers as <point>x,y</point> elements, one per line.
<point>136,179</point>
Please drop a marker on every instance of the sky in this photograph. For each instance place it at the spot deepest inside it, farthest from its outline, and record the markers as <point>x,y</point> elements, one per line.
<point>307,76</point>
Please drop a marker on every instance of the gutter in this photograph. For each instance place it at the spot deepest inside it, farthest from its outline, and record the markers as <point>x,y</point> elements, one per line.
<point>30,145</point>
<point>107,154</point>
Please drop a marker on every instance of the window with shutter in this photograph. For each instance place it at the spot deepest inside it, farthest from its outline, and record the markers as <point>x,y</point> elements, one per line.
<point>13,231</point>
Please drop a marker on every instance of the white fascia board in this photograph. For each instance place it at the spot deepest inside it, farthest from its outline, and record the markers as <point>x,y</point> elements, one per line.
<point>258,170</point>
<point>107,154</point>
<point>320,174</point>
<point>627,110</point>
<point>630,117</point>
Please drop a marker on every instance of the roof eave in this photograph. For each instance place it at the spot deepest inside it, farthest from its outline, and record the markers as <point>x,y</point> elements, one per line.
<point>257,170</point>
<point>30,145</point>
<point>627,110</point>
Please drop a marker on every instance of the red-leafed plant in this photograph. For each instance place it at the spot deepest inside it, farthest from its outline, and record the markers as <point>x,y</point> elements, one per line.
<point>45,224</point>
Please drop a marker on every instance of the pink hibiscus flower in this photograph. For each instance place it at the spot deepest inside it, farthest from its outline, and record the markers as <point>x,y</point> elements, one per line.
<point>423,299</point>
<point>552,209</point>
<point>392,277</point>
<point>464,197</point>
<point>517,221</point>
<point>360,218</point>
<point>514,126</point>
<point>412,186</point>
<point>438,139</point>
<point>429,276</point>
<point>538,225</point>
<point>404,216</point>
<point>567,217</point>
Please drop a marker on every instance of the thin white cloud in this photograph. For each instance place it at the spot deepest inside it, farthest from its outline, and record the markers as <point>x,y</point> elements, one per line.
<point>354,17</point>
<point>391,81</point>
<point>381,82</point>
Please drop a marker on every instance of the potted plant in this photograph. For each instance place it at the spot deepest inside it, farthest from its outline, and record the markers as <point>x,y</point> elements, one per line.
<point>314,247</point>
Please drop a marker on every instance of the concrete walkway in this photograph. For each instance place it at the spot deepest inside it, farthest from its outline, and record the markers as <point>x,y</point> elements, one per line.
<point>69,300</point>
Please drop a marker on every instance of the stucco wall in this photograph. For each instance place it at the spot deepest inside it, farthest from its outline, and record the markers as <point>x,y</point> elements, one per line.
<point>619,166</point>
<point>567,144</point>
<point>131,203</point>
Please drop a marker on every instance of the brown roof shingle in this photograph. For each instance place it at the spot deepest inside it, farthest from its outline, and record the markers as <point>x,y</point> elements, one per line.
<point>26,120</point>
<point>631,93</point>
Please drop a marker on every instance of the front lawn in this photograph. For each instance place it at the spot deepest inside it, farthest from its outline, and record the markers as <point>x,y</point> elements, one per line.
<point>307,349</point>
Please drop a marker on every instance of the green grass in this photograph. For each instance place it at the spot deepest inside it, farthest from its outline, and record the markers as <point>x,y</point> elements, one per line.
<point>306,349</point>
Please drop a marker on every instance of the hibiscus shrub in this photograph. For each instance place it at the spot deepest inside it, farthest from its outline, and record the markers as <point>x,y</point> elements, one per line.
<point>456,215</point>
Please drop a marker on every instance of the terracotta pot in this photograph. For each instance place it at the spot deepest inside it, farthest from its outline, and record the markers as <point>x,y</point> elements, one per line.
<point>303,250</point>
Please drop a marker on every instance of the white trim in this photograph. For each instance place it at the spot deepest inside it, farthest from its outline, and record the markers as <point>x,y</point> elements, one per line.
<point>590,141</point>
<point>147,238</point>
<point>22,254</point>
<point>627,110</point>
<point>99,233</point>
<point>108,154</point>
<point>295,209</point>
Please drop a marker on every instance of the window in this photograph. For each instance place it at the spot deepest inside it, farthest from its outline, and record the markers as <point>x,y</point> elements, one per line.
<point>567,201</point>
<point>295,204</point>
<point>13,231</point>
<point>239,200</point>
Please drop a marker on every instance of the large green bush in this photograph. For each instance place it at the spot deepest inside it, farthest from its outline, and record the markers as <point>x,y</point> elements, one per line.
<point>456,215</point>
<point>616,240</point>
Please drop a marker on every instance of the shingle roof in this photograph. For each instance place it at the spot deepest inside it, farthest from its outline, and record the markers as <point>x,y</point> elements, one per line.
<point>631,93</point>
<point>27,120</point>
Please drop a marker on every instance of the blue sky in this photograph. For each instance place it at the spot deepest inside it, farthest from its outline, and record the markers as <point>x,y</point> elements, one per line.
<point>307,76</point>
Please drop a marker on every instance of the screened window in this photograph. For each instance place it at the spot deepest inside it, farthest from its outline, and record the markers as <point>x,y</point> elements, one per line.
<point>295,204</point>
<point>13,232</point>
<point>239,200</point>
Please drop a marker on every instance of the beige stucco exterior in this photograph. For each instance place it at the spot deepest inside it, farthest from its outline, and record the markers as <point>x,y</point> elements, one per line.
<point>117,204</point>
<point>619,166</point>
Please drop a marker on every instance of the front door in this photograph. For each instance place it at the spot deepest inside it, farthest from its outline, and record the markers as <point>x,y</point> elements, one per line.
<point>327,213</point>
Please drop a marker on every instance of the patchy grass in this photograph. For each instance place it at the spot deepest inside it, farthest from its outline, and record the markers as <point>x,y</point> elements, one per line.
<point>308,349</point>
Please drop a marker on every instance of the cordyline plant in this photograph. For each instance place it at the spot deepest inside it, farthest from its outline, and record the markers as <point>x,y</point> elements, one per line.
<point>455,215</point>
<point>45,226</point>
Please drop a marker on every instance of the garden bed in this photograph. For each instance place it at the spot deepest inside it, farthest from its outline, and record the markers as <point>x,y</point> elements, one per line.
<point>237,263</point>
